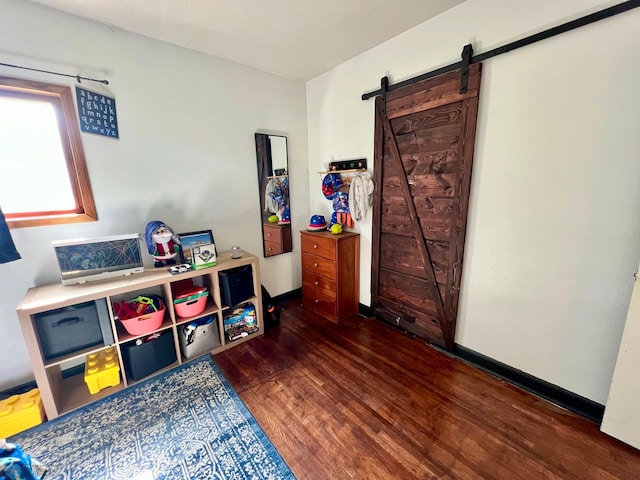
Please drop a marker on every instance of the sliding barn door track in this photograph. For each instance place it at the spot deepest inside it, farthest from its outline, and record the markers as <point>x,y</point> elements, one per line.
<point>467,51</point>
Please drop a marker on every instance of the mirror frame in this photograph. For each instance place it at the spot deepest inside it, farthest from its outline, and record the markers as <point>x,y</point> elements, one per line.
<point>278,232</point>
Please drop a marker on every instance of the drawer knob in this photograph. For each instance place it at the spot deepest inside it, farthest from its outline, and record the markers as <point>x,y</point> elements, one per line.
<point>269,234</point>
<point>315,264</point>
<point>315,245</point>
<point>317,283</point>
<point>316,300</point>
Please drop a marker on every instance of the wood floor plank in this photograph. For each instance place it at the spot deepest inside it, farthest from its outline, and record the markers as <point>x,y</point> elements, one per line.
<point>362,400</point>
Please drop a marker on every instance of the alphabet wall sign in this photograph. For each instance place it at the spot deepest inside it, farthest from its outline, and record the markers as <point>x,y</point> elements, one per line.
<point>97,113</point>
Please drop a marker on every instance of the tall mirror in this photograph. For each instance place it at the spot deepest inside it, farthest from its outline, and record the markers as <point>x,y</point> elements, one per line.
<point>273,180</point>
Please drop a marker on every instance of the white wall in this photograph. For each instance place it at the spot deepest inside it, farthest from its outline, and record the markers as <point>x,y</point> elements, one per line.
<point>553,232</point>
<point>186,153</point>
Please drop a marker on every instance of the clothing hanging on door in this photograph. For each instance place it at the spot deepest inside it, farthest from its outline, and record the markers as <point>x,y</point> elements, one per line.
<point>8,252</point>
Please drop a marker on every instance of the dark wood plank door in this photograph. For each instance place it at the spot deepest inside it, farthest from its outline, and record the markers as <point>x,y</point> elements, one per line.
<point>424,141</point>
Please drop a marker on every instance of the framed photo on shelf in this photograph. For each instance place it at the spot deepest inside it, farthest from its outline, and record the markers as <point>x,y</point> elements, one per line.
<point>193,239</point>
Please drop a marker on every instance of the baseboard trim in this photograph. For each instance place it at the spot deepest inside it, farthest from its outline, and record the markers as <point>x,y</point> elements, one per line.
<point>18,390</point>
<point>293,294</point>
<point>365,310</point>
<point>564,398</point>
<point>31,384</point>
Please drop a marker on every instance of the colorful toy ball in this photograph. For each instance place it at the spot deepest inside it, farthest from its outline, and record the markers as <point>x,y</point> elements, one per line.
<point>317,222</point>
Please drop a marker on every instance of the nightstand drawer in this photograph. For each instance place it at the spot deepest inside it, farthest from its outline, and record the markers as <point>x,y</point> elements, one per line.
<point>317,245</point>
<point>319,265</point>
<point>322,284</point>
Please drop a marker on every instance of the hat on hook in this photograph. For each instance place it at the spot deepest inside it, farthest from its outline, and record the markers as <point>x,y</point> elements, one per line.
<point>330,183</point>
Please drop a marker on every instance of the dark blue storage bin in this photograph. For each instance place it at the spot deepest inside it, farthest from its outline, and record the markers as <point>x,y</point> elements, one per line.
<point>236,285</point>
<point>148,357</point>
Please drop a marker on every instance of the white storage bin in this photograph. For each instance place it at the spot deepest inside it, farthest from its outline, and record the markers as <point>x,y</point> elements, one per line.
<point>199,336</point>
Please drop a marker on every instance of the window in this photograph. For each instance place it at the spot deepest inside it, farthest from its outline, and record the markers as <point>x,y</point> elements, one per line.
<point>43,174</point>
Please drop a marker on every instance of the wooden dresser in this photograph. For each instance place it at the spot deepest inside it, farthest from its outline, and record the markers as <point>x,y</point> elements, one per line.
<point>277,238</point>
<point>331,273</point>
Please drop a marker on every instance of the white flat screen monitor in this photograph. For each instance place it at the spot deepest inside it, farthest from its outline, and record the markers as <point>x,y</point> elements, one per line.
<point>88,259</point>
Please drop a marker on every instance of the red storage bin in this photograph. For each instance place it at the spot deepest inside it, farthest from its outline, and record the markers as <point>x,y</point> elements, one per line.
<point>191,303</point>
<point>145,323</point>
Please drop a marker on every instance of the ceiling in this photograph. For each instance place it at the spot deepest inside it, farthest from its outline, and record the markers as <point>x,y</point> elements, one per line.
<point>298,39</point>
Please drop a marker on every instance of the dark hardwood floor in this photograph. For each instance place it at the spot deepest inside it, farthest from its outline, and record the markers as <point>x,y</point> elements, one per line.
<point>363,400</point>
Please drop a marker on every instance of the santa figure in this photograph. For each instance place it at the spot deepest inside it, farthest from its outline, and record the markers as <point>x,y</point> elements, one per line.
<point>162,243</point>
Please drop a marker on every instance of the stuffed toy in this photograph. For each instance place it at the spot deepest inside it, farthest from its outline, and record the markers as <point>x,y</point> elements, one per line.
<point>334,189</point>
<point>277,199</point>
<point>162,243</point>
<point>341,214</point>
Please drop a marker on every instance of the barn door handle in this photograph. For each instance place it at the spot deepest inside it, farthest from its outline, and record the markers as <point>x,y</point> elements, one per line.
<point>406,319</point>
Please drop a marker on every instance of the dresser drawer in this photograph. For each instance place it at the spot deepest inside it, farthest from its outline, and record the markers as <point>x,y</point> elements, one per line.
<point>272,233</point>
<point>322,246</point>
<point>271,248</point>
<point>277,235</point>
<point>322,284</point>
<point>319,265</point>
<point>313,300</point>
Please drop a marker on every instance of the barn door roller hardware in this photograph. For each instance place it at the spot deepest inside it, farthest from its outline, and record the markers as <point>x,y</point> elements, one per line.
<point>384,86</point>
<point>536,37</point>
<point>467,53</point>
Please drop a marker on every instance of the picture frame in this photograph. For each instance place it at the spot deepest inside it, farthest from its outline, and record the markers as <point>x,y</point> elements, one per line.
<point>189,240</point>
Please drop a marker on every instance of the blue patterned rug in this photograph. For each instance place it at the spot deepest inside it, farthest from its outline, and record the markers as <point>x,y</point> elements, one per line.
<point>187,423</point>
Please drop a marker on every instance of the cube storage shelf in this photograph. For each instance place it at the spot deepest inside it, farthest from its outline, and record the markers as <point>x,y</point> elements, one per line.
<point>62,393</point>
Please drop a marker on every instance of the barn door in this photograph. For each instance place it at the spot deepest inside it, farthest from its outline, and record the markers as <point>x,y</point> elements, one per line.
<point>424,141</point>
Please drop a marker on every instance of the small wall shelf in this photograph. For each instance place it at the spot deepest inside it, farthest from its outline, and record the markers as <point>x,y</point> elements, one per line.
<point>353,170</point>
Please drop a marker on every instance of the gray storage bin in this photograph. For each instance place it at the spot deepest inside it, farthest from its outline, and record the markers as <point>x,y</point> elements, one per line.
<point>70,329</point>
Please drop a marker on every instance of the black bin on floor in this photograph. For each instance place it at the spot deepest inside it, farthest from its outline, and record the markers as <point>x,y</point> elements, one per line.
<point>148,357</point>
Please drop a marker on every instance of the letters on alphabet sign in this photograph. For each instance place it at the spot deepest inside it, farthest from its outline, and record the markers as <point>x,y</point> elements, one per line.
<point>97,113</point>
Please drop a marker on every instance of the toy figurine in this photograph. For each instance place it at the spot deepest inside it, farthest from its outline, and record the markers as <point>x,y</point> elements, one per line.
<point>162,243</point>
